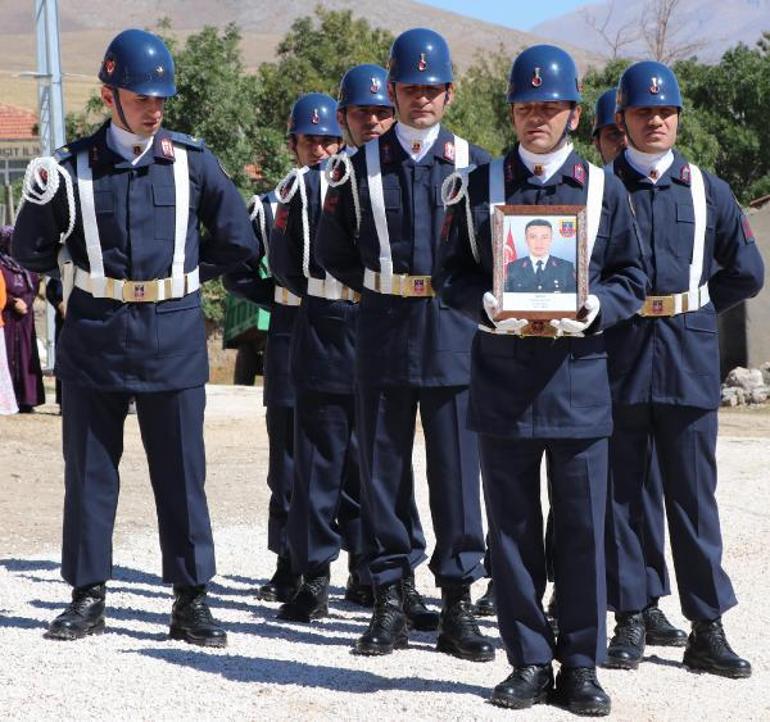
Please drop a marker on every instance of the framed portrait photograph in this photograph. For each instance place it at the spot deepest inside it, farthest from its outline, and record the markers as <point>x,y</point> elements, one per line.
<point>540,262</point>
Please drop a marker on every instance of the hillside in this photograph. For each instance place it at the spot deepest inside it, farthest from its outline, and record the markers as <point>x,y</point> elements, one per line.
<point>714,25</point>
<point>87,28</point>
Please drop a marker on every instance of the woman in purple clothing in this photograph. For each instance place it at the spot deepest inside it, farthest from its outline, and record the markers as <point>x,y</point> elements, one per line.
<point>19,327</point>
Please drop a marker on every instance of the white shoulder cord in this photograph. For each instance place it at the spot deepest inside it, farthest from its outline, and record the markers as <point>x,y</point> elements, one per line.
<point>45,173</point>
<point>452,194</point>
<point>342,160</point>
<point>285,191</point>
<point>258,214</point>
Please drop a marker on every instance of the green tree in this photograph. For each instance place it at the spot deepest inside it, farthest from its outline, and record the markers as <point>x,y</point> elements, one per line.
<point>313,57</point>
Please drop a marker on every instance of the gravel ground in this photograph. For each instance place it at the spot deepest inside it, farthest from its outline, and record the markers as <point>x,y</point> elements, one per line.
<point>279,670</point>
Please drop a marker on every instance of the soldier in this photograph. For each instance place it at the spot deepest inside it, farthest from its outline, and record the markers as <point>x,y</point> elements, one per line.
<point>253,282</point>
<point>133,326</point>
<point>609,138</point>
<point>365,112</point>
<point>540,271</point>
<point>324,511</point>
<point>664,367</point>
<point>533,396</point>
<point>378,235</point>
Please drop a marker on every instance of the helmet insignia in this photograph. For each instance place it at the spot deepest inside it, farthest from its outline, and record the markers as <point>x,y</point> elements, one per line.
<point>315,119</point>
<point>109,66</point>
<point>422,63</point>
<point>160,70</point>
<point>374,88</point>
<point>537,78</point>
<point>655,85</point>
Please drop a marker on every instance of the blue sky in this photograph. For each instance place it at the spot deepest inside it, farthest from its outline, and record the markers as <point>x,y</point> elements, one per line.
<point>518,14</point>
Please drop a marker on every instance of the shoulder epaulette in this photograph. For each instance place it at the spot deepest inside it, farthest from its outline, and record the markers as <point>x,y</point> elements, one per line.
<point>72,149</point>
<point>188,141</point>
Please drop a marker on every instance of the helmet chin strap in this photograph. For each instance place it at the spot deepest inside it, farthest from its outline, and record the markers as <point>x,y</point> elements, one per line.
<point>119,107</point>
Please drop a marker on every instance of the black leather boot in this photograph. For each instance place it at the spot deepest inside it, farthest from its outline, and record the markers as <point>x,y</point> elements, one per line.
<point>525,686</point>
<point>708,651</point>
<point>659,631</point>
<point>418,616</point>
<point>311,601</point>
<point>387,627</point>
<point>552,613</point>
<point>283,585</point>
<point>626,647</point>
<point>355,590</point>
<point>486,605</point>
<point>84,615</point>
<point>578,690</point>
<point>191,618</point>
<point>458,630</point>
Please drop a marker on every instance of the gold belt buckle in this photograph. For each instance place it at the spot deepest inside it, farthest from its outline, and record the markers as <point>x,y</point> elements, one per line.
<point>417,286</point>
<point>657,306</point>
<point>140,291</point>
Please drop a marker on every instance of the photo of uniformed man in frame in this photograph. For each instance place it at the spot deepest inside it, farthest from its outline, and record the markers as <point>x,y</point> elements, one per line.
<point>540,265</point>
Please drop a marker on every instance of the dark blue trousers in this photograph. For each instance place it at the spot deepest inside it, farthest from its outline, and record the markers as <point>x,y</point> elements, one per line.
<point>280,475</point>
<point>685,444</point>
<point>171,425</point>
<point>324,514</point>
<point>653,528</point>
<point>394,542</point>
<point>578,477</point>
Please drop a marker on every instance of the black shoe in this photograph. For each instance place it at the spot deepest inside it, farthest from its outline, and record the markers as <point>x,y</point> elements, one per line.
<point>525,686</point>
<point>458,630</point>
<point>311,601</point>
<point>552,613</point>
<point>708,651</point>
<point>387,627</point>
<point>191,618</point>
<point>660,632</point>
<point>486,605</point>
<point>283,585</point>
<point>83,616</point>
<point>626,647</point>
<point>578,691</point>
<point>358,593</point>
<point>418,616</point>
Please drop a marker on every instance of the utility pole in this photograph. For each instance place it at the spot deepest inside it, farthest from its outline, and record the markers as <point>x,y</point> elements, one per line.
<point>51,110</point>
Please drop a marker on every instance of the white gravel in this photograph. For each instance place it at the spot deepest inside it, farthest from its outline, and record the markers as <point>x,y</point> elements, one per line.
<point>278,670</point>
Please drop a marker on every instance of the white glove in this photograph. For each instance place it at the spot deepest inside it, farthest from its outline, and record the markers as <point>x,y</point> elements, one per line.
<point>505,325</point>
<point>572,326</point>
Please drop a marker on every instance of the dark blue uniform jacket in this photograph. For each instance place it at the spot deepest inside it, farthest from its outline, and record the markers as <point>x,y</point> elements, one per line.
<point>401,341</point>
<point>252,281</point>
<point>323,341</point>
<point>532,387</point>
<point>675,360</point>
<point>137,347</point>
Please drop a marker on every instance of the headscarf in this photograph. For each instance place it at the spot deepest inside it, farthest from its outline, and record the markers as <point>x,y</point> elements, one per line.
<point>7,261</point>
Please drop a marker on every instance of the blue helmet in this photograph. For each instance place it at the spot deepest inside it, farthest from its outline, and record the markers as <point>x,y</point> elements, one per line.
<point>605,110</point>
<point>314,114</point>
<point>647,84</point>
<point>364,85</point>
<point>420,56</point>
<point>140,62</point>
<point>543,73</point>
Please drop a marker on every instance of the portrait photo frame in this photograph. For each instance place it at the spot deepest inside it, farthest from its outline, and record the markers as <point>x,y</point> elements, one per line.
<point>523,235</point>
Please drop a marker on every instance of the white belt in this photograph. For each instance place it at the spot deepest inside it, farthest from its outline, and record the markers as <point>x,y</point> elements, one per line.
<point>399,284</point>
<point>331,290</point>
<point>675,303</point>
<point>285,297</point>
<point>535,329</point>
<point>152,291</point>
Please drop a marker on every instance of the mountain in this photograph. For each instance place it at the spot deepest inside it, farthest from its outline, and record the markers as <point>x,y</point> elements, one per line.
<point>712,26</point>
<point>87,27</point>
